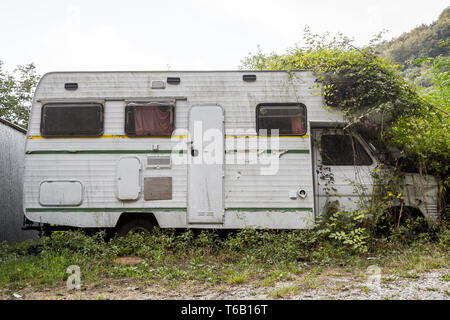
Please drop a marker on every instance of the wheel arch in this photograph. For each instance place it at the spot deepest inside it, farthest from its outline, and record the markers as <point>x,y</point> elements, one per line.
<point>409,210</point>
<point>126,217</point>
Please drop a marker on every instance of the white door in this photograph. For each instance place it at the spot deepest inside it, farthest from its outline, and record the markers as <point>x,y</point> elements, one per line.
<point>205,165</point>
<point>342,168</point>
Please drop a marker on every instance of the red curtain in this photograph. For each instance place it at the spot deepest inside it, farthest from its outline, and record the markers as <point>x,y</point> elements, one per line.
<point>297,125</point>
<point>152,120</point>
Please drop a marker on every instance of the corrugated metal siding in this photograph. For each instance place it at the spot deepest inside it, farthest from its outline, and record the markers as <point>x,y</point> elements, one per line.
<point>237,97</point>
<point>12,146</point>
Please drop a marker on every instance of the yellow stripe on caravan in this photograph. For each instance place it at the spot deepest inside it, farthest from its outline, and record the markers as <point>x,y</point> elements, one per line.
<point>175,137</point>
<point>237,137</point>
<point>105,137</point>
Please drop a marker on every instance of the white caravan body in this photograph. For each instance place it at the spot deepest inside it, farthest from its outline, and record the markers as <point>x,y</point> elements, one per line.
<point>213,170</point>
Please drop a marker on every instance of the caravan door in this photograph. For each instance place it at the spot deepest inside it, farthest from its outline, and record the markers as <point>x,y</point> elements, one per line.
<point>205,165</point>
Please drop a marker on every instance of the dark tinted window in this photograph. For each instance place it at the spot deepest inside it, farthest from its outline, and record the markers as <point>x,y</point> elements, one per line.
<point>149,119</point>
<point>343,150</point>
<point>81,119</point>
<point>289,119</point>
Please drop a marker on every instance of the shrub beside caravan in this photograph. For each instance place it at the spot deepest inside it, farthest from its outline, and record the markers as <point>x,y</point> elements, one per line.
<point>219,149</point>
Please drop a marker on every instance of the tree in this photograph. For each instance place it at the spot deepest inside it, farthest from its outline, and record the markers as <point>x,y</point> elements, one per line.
<point>16,93</point>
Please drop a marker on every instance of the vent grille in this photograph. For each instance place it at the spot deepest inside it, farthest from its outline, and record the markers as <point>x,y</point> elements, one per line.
<point>158,84</point>
<point>71,86</point>
<point>173,80</point>
<point>159,162</point>
<point>249,77</point>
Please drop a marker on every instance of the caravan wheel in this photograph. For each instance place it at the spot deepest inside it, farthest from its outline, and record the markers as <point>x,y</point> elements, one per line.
<point>136,226</point>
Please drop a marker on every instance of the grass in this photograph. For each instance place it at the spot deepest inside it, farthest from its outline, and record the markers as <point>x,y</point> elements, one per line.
<point>310,281</point>
<point>284,292</point>
<point>171,258</point>
<point>238,278</point>
<point>387,279</point>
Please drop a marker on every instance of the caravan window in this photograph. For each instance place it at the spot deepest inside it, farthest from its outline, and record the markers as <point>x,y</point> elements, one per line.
<point>72,119</point>
<point>288,118</point>
<point>343,150</point>
<point>149,119</point>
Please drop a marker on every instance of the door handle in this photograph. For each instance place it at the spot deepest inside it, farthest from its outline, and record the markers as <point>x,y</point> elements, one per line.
<point>194,152</point>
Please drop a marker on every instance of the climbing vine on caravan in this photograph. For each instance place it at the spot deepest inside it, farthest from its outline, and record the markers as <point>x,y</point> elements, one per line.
<point>393,112</point>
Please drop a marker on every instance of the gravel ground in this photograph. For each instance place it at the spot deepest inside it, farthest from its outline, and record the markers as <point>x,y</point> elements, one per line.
<point>431,285</point>
<point>428,286</point>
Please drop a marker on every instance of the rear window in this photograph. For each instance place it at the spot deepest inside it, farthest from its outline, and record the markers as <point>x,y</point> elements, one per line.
<point>288,118</point>
<point>72,119</point>
<point>149,119</point>
<point>343,150</point>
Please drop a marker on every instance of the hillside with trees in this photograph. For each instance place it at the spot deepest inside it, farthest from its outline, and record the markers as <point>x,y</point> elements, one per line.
<point>422,41</point>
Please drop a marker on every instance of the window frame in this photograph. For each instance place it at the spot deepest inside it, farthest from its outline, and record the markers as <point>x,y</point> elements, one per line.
<point>128,105</point>
<point>280,104</point>
<point>352,138</point>
<point>66,104</point>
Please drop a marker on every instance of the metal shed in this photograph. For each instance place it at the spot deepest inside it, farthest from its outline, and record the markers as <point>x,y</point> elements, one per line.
<point>12,146</point>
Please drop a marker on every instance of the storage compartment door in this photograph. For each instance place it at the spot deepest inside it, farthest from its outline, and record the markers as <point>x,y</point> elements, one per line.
<point>61,193</point>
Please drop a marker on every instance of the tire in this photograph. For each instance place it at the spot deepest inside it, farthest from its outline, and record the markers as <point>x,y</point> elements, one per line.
<point>135,226</point>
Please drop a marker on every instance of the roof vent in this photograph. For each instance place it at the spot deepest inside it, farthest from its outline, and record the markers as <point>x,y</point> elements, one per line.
<point>249,77</point>
<point>71,86</point>
<point>173,80</point>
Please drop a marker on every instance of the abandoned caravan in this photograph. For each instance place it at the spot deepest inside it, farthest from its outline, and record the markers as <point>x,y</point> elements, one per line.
<point>205,149</point>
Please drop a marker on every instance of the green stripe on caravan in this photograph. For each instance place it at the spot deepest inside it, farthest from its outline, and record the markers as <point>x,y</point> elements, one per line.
<point>302,151</point>
<point>154,209</point>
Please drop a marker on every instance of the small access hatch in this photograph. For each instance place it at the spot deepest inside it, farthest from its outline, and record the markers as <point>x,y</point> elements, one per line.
<point>128,178</point>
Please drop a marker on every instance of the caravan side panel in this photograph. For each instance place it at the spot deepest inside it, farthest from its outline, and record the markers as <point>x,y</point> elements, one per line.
<point>255,194</point>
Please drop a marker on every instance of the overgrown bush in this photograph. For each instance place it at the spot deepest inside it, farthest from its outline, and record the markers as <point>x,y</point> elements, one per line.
<point>347,230</point>
<point>202,256</point>
<point>389,109</point>
<point>62,242</point>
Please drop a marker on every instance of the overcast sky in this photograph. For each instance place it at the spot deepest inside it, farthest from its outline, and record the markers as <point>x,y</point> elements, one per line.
<point>60,35</point>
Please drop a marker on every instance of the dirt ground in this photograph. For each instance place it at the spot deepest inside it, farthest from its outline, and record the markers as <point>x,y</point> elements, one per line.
<point>431,285</point>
